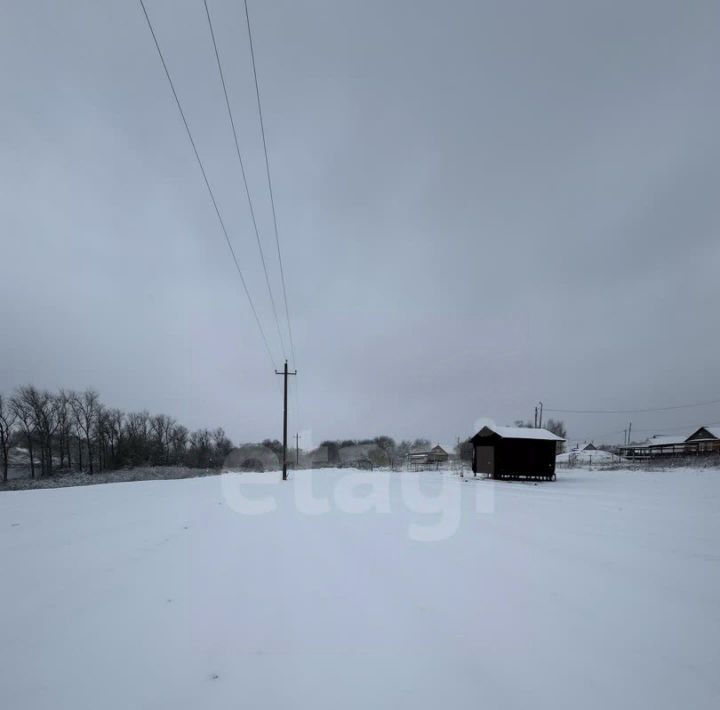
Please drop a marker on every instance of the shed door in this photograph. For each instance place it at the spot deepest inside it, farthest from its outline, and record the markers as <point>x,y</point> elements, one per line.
<point>485,459</point>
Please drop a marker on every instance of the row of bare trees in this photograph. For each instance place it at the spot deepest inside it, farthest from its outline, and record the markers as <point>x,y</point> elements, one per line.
<point>75,431</point>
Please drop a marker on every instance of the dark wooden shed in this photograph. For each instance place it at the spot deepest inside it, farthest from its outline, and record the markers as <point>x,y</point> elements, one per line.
<point>515,452</point>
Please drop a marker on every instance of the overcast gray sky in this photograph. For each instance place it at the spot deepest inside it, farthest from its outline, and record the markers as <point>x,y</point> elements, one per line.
<point>480,204</point>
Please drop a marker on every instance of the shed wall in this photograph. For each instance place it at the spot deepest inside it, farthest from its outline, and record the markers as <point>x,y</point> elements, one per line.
<point>514,458</point>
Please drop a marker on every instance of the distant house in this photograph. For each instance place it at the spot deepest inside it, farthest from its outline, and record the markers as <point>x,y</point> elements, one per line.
<point>416,459</point>
<point>425,458</point>
<point>705,440</point>
<point>585,446</point>
<point>515,452</point>
<point>438,455</point>
<point>656,446</point>
<point>667,444</point>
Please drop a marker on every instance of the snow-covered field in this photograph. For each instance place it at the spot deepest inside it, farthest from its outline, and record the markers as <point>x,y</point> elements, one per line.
<point>601,590</point>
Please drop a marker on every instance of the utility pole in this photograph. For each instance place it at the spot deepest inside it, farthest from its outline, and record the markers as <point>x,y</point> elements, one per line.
<point>297,450</point>
<point>535,425</point>
<point>629,432</point>
<point>285,374</point>
<point>541,407</point>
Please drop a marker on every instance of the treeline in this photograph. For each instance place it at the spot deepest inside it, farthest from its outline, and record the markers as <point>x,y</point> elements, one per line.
<point>74,431</point>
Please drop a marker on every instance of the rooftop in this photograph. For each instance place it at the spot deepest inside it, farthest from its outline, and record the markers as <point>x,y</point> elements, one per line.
<point>714,431</point>
<point>667,440</point>
<point>514,432</point>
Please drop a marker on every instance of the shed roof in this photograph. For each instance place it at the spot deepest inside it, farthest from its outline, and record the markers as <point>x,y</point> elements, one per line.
<point>514,432</point>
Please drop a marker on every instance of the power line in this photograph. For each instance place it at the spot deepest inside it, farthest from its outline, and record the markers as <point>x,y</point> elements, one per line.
<point>633,411</point>
<point>680,429</point>
<point>244,177</point>
<point>207,183</point>
<point>269,180</point>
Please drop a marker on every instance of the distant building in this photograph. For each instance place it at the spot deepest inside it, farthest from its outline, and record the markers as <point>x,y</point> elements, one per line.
<point>655,446</point>
<point>428,458</point>
<point>705,440</point>
<point>438,455</point>
<point>515,452</point>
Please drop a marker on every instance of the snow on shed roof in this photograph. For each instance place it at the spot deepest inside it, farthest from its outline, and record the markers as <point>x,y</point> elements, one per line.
<point>516,432</point>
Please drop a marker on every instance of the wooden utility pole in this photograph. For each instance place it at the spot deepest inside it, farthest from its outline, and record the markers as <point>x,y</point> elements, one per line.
<point>285,374</point>
<point>540,420</point>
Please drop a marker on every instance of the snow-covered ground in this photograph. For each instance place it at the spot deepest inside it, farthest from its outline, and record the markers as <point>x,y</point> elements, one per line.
<point>600,590</point>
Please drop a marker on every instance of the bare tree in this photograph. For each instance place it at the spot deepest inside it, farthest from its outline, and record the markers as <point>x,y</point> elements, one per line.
<point>101,437</point>
<point>557,427</point>
<point>43,406</point>
<point>178,443</point>
<point>403,448</point>
<point>65,427</point>
<point>221,447</point>
<point>114,423</point>
<point>86,408</point>
<point>22,409</point>
<point>200,448</point>
<point>7,421</point>
<point>464,450</point>
<point>161,425</point>
<point>136,435</point>
<point>53,425</point>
